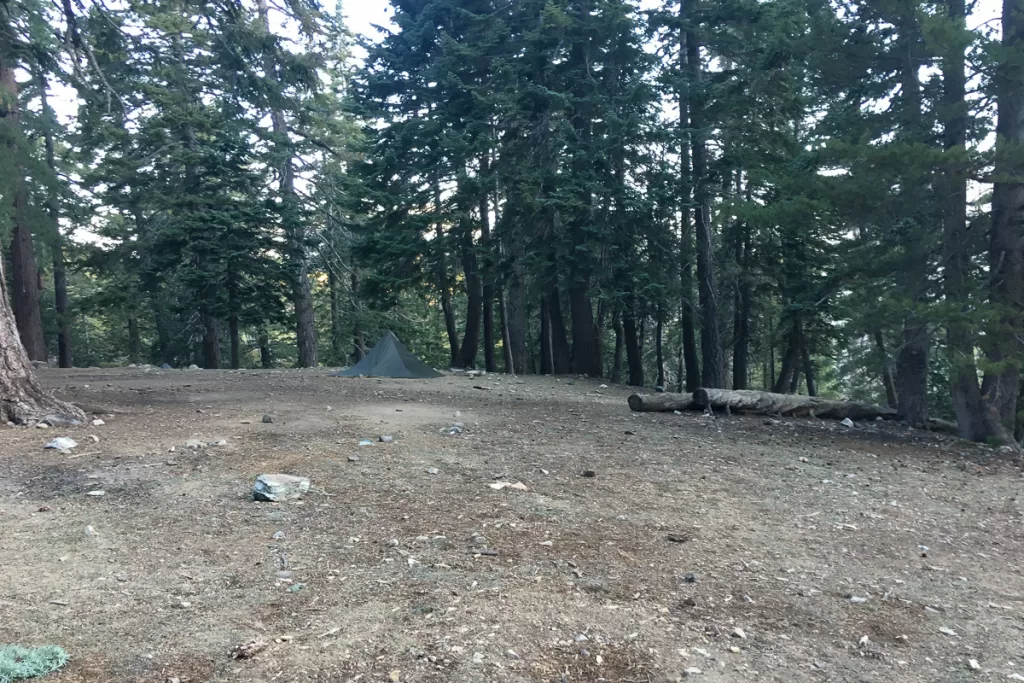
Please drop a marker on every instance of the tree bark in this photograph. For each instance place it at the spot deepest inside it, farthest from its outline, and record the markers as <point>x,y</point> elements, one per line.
<point>294,230</point>
<point>712,363</point>
<point>22,398</point>
<point>474,302</point>
<point>450,327</point>
<point>560,353</point>
<point>887,378</point>
<point>506,336</point>
<point>490,362</point>
<point>1006,239</point>
<point>788,405</point>
<point>809,374</point>
<point>660,403</point>
<point>60,280</point>
<point>337,329</point>
<point>659,354</point>
<point>24,279</point>
<point>741,321</point>
<point>691,363</point>
<point>358,336</point>
<point>788,373</point>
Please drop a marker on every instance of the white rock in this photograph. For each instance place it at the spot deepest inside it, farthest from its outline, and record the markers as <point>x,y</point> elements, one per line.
<point>98,422</point>
<point>90,531</point>
<point>275,487</point>
<point>62,443</point>
<point>949,632</point>
<point>974,665</point>
<point>97,493</point>
<point>478,658</point>
<point>219,442</point>
<point>432,470</point>
<point>864,641</point>
<point>847,422</point>
<point>1015,677</point>
<point>94,438</point>
<point>738,633</point>
<point>858,599</point>
<point>692,671</point>
<point>547,543</point>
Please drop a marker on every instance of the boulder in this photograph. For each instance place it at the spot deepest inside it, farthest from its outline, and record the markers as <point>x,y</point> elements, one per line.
<point>277,487</point>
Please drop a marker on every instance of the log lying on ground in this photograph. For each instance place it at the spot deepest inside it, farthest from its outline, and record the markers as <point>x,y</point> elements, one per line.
<point>660,403</point>
<point>789,405</point>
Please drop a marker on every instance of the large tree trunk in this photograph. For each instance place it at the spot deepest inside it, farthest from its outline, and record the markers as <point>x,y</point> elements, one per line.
<point>490,363</point>
<point>266,355</point>
<point>506,336</point>
<point>791,405</point>
<point>294,229</point>
<point>809,374</point>
<point>559,341</point>
<point>789,374</point>
<point>22,398</point>
<point>1006,239</point>
<point>691,364</point>
<point>60,279</point>
<point>713,373</point>
<point>450,327</point>
<point>660,403</point>
<point>659,354</point>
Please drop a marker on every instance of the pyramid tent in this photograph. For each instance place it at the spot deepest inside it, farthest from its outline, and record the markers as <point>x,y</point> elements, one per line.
<point>389,358</point>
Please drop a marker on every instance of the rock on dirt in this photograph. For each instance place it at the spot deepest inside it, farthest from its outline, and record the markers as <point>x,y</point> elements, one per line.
<point>194,444</point>
<point>738,633</point>
<point>62,443</point>
<point>267,419</point>
<point>98,422</point>
<point>385,438</point>
<point>432,470</point>
<point>847,422</point>
<point>276,487</point>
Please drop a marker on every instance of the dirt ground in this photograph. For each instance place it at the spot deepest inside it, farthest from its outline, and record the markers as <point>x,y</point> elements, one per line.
<point>378,573</point>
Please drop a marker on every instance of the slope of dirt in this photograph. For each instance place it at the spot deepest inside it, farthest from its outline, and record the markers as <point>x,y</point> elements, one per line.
<point>378,575</point>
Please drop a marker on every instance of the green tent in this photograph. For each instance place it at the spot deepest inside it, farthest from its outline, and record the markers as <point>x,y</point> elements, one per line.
<point>389,358</point>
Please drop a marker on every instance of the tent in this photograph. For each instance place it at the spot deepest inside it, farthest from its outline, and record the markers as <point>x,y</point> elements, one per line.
<point>389,358</point>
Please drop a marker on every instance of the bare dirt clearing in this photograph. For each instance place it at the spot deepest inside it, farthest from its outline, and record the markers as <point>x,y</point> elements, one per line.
<point>392,570</point>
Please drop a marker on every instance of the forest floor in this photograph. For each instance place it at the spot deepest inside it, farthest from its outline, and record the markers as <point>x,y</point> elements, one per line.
<point>691,532</point>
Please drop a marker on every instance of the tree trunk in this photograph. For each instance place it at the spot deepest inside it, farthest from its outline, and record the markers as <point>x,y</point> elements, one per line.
<point>582,314</point>
<point>515,319</point>
<point>741,322</point>
<point>211,342</point>
<point>490,363</point>
<point>134,341</point>
<point>294,230</point>
<point>450,327</point>
<point>60,280</point>
<point>266,357</point>
<point>887,379</point>
<point>912,372</point>
<point>712,364</point>
<point>236,341</point>
<point>660,403</point>
<point>560,353</point>
<point>597,364</point>
<point>634,354</point>
<point>789,374</point>
<point>163,334</point>
<point>788,405</point>
<point>617,359</point>
<point>506,336</point>
<point>22,398</point>
<point>686,316</point>
<point>1006,243</point>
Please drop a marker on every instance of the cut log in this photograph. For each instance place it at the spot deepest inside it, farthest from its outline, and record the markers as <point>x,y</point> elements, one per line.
<point>789,405</point>
<point>660,403</point>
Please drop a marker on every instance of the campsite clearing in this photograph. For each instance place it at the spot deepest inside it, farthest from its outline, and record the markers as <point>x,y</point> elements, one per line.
<point>748,548</point>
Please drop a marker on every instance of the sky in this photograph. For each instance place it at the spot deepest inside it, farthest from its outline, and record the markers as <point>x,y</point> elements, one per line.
<point>361,15</point>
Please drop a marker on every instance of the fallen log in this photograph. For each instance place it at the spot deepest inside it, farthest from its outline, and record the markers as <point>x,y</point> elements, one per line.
<point>660,403</point>
<point>788,405</point>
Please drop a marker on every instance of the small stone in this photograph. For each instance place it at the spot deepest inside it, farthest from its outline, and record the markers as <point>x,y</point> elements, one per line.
<point>1016,677</point>
<point>275,487</point>
<point>98,422</point>
<point>194,444</point>
<point>278,535</point>
<point>948,632</point>
<point>91,532</point>
<point>62,443</point>
<point>267,419</point>
<point>847,422</point>
<point>385,438</point>
<point>171,449</point>
<point>864,641</point>
<point>738,633</point>
<point>172,680</point>
<point>219,442</point>
<point>45,508</point>
<point>547,543</point>
<point>735,650</point>
<point>974,665</point>
<point>94,438</point>
<point>857,599</point>
<point>353,458</point>
<point>193,367</point>
<point>121,578</point>
<point>692,671</point>
<point>97,493</point>
<point>690,578</point>
<point>365,442</point>
<point>432,470</point>
<point>690,602</point>
<point>589,474</point>
<point>42,425</point>
<point>512,654</point>
<point>478,658</point>
<point>393,543</point>
<point>285,575</point>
